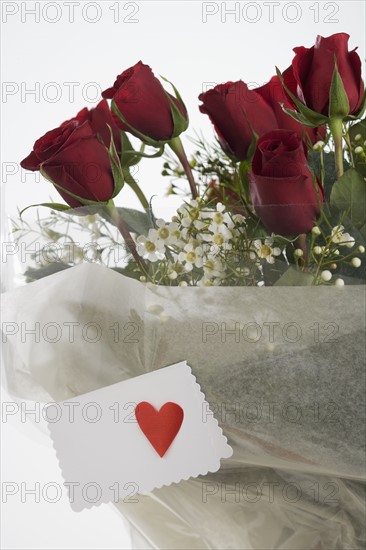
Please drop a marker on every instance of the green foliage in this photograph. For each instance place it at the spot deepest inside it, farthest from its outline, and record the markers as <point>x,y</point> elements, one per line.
<point>34,274</point>
<point>116,167</point>
<point>54,205</point>
<point>304,115</point>
<point>314,159</point>
<point>295,277</point>
<point>349,196</point>
<point>137,222</point>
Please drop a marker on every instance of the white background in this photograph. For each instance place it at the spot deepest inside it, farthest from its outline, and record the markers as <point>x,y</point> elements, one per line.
<point>172,38</point>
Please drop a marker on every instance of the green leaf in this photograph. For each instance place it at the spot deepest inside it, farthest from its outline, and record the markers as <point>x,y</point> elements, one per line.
<point>294,277</point>
<point>311,116</point>
<point>255,229</point>
<point>359,128</point>
<point>299,117</point>
<point>116,167</point>
<point>140,154</point>
<point>54,205</point>
<point>314,160</point>
<point>338,99</point>
<point>180,122</point>
<point>36,273</point>
<point>349,195</point>
<point>131,270</point>
<point>177,94</point>
<point>252,147</point>
<point>244,170</point>
<point>137,221</point>
<point>362,230</point>
<point>129,156</point>
<point>117,177</point>
<point>273,272</point>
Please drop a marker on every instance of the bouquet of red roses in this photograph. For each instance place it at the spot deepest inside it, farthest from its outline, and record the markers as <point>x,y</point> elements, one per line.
<point>279,199</point>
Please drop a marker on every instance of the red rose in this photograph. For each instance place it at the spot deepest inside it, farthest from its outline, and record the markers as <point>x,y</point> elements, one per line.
<point>100,118</point>
<point>233,109</point>
<point>282,186</point>
<point>275,95</point>
<point>73,158</point>
<point>144,104</point>
<point>313,70</point>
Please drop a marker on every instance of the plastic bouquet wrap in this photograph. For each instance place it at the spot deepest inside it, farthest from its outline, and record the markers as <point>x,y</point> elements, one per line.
<point>257,281</point>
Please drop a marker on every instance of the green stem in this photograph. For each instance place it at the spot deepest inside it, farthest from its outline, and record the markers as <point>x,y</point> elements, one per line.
<point>322,168</point>
<point>112,212</point>
<point>349,144</point>
<point>130,180</point>
<point>336,128</point>
<point>177,146</point>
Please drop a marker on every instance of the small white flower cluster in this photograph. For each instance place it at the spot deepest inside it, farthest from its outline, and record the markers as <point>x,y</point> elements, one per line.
<point>210,246</point>
<point>153,247</point>
<point>341,238</point>
<point>360,148</point>
<point>330,255</point>
<point>265,250</point>
<point>204,246</point>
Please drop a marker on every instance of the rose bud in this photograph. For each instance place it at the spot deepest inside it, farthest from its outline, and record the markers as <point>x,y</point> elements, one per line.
<point>284,193</point>
<point>313,72</point>
<point>100,118</point>
<point>236,112</point>
<point>275,95</point>
<point>75,161</point>
<point>144,108</point>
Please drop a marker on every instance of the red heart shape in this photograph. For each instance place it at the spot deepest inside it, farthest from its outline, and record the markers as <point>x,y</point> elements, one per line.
<point>160,427</point>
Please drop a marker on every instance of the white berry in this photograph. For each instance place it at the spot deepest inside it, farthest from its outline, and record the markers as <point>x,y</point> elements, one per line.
<point>326,275</point>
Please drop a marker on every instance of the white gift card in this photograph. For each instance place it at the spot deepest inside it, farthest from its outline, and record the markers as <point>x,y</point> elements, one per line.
<point>135,436</point>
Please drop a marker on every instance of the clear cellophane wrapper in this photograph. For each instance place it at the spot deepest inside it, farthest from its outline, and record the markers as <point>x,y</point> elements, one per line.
<point>283,369</point>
